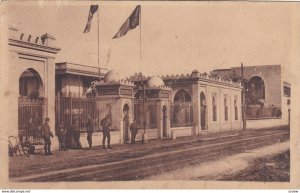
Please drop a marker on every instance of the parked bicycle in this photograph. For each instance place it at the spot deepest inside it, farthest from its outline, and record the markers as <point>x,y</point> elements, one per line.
<point>16,145</point>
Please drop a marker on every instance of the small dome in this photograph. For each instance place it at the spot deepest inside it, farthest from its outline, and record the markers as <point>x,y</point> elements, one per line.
<point>111,76</point>
<point>155,81</point>
<point>195,71</point>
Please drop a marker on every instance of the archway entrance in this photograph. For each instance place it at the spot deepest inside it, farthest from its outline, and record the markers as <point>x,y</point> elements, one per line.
<point>31,106</point>
<point>126,123</point>
<point>203,111</point>
<point>165,132</point>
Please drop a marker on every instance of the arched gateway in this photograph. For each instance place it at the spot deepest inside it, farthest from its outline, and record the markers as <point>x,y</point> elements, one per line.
<point>31,105</point>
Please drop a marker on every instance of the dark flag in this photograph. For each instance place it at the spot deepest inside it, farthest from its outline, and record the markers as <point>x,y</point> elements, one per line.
<point>93,9</point>
<point>131,23</point>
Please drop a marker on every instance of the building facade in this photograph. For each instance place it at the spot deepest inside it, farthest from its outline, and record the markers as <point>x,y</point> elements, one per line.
<point>30,91</point>
<point>267,93</point>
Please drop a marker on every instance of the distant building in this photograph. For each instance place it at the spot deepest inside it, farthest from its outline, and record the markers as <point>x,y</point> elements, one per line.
<point>268,94</point>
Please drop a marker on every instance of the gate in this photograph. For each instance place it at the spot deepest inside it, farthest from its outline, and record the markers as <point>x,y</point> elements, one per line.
<point>67,109</point>
<point>181,114</point>
<point>30,119</point>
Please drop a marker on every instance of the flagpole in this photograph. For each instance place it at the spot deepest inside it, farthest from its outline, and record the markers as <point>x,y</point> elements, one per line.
<point>140,18</point>
<point>98,43</point>
<point>143,83</point>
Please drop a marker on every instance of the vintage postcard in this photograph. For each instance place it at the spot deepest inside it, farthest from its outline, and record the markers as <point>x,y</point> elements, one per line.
<point>150,94</point>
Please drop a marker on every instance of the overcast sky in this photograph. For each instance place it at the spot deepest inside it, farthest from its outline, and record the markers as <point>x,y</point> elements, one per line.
<point>177,37</point>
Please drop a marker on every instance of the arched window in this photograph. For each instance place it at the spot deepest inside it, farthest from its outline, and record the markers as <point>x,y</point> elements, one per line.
<point>236,115</point>
<point>214,108</point>
<point>182,109</point>
<point>182,96</point>
<point>225,109</point>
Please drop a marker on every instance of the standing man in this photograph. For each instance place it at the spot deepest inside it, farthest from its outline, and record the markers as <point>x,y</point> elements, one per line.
<point>133,130</point>
<point>46,135</point>
<point>90,130</point>
<point>105,123</point>
<point>61,134</point>
<point>76,134</point>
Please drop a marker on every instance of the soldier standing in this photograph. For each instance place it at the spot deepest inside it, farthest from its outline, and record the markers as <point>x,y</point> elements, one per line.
<point>133,130</point>
<point>105,123</point>
<point>76,134</point>
<point>61,134</point>
<point>90,130</point>
<point>46,135</point>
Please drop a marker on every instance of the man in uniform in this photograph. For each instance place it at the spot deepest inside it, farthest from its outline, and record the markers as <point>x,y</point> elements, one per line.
<point>61,134</point>
<point>76,133</point>
<point>46,135</point>
<point>133,130</point>
<point>105,123</point>
<point>90,130</point>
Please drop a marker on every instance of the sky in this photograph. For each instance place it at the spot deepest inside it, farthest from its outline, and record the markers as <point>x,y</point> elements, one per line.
<point>176,37</point>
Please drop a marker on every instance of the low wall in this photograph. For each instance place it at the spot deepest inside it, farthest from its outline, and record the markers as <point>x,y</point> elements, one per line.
<point>151,134</point>
<point>97,138</point>
<point>182,131</point>
<point>224,126</point>
<point>264,123</point>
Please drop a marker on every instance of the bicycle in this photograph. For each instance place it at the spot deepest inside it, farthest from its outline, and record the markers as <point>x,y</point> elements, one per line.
<point>17,145</point>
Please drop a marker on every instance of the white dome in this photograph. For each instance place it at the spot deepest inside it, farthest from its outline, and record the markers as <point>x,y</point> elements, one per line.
<point>111,76</point>
<point>155,81</point>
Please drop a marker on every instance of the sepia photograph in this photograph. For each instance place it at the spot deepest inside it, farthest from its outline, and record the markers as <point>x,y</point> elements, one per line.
<point>166,94</point>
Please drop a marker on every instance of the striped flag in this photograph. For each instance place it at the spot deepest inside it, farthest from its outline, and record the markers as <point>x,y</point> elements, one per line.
<point>131,23</point>
<point>93,9</point>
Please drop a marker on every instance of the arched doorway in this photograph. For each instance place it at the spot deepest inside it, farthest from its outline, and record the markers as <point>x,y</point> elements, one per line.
<point>255,90</point>
<point>126,123</point>
<point>31,105</point>
<point>203,111</point>
<point>255,99</point>
<point>164,111</point>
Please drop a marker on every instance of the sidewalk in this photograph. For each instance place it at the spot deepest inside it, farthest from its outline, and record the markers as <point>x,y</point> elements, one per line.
<point>69,164</point>
<point>74,153</point>
<point>17,164</point>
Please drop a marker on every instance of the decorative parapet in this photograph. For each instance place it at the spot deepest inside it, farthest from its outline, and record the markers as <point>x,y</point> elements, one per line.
<point>165,87</point>
<point>194,75</point>
<point>43,43</point>
<point>123,82</point>
<point>126,82</point>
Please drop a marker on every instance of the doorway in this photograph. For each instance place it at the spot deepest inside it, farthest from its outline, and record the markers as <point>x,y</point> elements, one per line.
<point>165,132</point>
<point>203,111</point>
<point>126,123</point>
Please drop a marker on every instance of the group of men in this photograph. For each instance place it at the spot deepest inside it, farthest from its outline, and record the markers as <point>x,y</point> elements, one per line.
<point>105,123</point>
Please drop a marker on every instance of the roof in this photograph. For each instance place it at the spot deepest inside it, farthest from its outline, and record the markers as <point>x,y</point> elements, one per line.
<point>78,69</point>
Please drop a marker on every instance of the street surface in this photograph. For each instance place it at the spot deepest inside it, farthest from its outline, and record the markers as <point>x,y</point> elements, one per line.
<point>140,161</point>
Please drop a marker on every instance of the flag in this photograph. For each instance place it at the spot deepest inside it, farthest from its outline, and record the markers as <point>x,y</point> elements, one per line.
<point>131,23</point>
<point>93,9</point>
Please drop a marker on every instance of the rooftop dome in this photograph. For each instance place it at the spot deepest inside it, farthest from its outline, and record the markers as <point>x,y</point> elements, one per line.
<point>111,76</point>
<point>155,81</point>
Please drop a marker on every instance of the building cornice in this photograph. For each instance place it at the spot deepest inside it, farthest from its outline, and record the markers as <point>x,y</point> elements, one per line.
<point>39,47</point>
